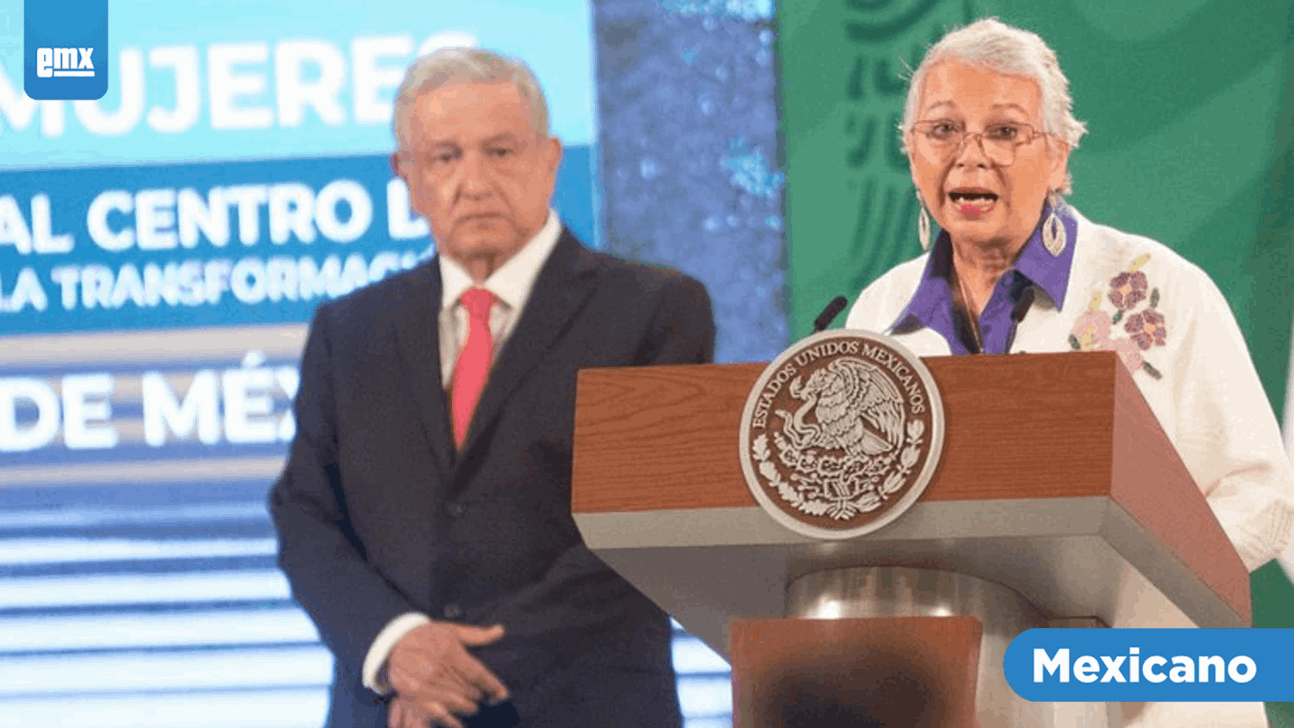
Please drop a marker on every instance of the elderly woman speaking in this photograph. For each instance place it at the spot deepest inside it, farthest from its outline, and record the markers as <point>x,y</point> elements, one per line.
<point>988,131</point>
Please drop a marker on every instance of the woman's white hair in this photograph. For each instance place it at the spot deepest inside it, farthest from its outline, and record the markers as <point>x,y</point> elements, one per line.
<point>448,66</point>
<point>990,42</point>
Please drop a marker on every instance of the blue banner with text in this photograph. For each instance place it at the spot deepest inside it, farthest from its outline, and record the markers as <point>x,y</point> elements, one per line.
<point>1152,665</point>
<point>225,243</point>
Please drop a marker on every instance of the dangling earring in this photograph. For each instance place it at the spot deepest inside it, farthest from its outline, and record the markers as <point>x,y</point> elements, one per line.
<point>923,224</point>
<point>1053,230</point>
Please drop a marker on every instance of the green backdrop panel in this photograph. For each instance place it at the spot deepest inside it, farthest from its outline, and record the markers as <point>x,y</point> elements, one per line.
<point>1191,142</point>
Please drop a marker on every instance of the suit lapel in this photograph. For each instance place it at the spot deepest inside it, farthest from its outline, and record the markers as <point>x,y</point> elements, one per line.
<point>564,284</point>
<point>418,341</point>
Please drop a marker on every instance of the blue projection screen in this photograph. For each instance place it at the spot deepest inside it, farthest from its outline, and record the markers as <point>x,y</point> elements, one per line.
<point>161,250</point>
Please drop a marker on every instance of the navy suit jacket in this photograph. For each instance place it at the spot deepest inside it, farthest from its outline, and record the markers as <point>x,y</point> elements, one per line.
<point>378,514</point>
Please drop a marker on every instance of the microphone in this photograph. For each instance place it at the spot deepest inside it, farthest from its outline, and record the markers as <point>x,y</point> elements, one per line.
<point>829,313</point>
<point>1018,312</point>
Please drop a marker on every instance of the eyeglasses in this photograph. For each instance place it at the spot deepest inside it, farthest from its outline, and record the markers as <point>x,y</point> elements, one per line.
<point>940,139</point>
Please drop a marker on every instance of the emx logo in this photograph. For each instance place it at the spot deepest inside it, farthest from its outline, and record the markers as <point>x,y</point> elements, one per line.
<point>65,62</point>
<point>65,49</point>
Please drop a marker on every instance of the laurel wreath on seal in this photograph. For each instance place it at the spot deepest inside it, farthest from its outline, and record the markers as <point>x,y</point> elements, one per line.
<point>838,487</point>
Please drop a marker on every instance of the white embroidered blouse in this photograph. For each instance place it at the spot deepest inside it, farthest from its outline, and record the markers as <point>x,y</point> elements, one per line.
<point>1174,331</point>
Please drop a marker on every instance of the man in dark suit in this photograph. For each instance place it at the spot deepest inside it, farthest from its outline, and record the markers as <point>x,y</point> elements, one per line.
<point>424,514</point>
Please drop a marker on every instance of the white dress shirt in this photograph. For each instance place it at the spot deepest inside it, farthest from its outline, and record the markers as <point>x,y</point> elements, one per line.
<point>511,285</point>
<point>1206,396</point>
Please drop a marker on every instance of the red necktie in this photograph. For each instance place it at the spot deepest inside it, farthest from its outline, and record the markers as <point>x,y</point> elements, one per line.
<point>473,365</point>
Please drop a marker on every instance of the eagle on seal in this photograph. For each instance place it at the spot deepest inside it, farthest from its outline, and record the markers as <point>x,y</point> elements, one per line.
<point>856,408</point>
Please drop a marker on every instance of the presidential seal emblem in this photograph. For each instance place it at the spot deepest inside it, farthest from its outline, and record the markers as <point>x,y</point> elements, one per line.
<point>841,434</point>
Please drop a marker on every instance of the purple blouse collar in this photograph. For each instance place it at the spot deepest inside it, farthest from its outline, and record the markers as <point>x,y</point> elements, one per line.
<point>931,304</point>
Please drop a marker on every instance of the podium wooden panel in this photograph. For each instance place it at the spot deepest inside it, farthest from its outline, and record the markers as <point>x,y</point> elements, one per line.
<point>1056,480</point>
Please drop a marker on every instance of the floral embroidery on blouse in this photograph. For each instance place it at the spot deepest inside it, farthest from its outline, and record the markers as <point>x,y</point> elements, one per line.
<point>1128,289</point>
<point>1145,328</point>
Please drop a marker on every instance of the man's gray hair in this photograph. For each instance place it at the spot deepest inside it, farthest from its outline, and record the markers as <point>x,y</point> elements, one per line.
<point>992,43</point>
<point>448,66</point>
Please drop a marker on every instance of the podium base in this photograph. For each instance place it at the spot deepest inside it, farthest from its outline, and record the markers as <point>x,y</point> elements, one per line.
<point>891,592</point>
<point>908,672</point>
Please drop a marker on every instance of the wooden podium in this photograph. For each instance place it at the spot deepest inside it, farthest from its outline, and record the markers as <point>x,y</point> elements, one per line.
<point>1056,483</point>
